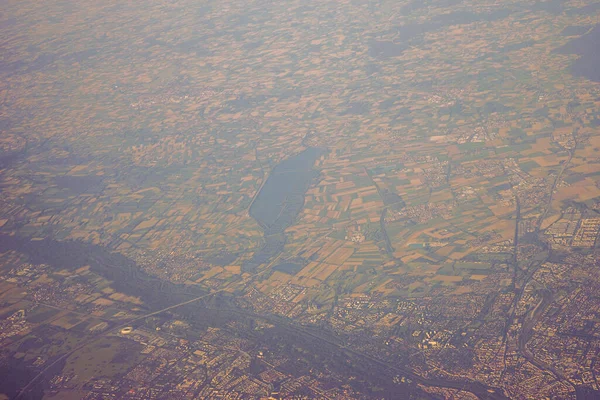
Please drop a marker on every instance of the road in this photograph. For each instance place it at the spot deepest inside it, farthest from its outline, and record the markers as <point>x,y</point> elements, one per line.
<point>556,180</point>
<point>515,257</point>
<point>104,334</point>
<point>476,388</point>
<point>129,322</point>
<point>526,334</point>
<point>264,180</point>
<point>480,390</point>
<point>388,244</point>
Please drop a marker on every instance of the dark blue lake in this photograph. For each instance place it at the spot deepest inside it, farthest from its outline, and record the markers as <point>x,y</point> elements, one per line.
<point>282,196</point>
<point>588,48</point>
<point>280,201</point>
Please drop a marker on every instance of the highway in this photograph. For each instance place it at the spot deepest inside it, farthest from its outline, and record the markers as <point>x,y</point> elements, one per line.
<point>476,388</point>
<point>104,334</point>
<point>556,180</point>
<point>480,390</point>
<point>128,322</point>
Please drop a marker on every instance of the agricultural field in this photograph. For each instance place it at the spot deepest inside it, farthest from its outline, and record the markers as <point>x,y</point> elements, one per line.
<point>337,199</point>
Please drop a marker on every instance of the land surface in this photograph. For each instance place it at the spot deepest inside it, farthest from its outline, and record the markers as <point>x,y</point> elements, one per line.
<point>333,199</point>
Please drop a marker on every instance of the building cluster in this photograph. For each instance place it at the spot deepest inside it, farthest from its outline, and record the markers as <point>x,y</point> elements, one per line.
<point>14,324</point>
<point>354,233</point>
<point>11,144</point>
<point>219,365</point>
<point>573,230</point>
<point>177,96</point>
<point>436,175</point>
<point>423,212</point>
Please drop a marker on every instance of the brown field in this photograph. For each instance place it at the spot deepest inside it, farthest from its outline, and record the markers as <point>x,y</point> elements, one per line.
<point>502,210</point>
<point>6,286</point>
<point>324,272</point>
<point>550,220</point>
<point>462,290</point>
<point>445,278</point>
<point>276,279</point>
<point>438,197</point>
<point>124,298</point>
<point>308,282</point>
<point>234,269</point>
<point>103,302</point>
<point>389,320</point>
<point>340,255</point>
<point>308,270</point>
<point>406,256</point>
<point>504,227</point>
<point>583,190</point>
<point>458,255</point>
<point>549,160</point>
<point>345,185</point>
<point>146,224</point>
<point>214,271</point>
<point>445,251</point>
<point>329,248</point>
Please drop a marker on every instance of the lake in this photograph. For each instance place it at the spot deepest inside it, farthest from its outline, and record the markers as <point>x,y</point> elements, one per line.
<point>282,196</point>
<point>588,48</point>
<point>280,200</point>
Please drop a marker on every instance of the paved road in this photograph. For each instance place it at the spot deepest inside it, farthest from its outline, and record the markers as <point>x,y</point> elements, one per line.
<point>558,177</point>
<point>129,322</point>
<point>103,334</point>
<point>480,390</point>
<point>476,388</point>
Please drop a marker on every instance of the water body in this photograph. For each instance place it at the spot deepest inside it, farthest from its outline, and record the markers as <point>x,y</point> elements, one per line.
<point>126,275</point>
<point>517,46</point>
<point>417,5</point>
<point>395,201</point>
<point>280,200</point>
<point>575,30</point>
<point>588,48</point>
<point>7,160</point>
<point>410,35</point>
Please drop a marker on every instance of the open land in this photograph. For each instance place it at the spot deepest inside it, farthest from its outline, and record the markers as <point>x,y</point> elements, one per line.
<point>334,199</point>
